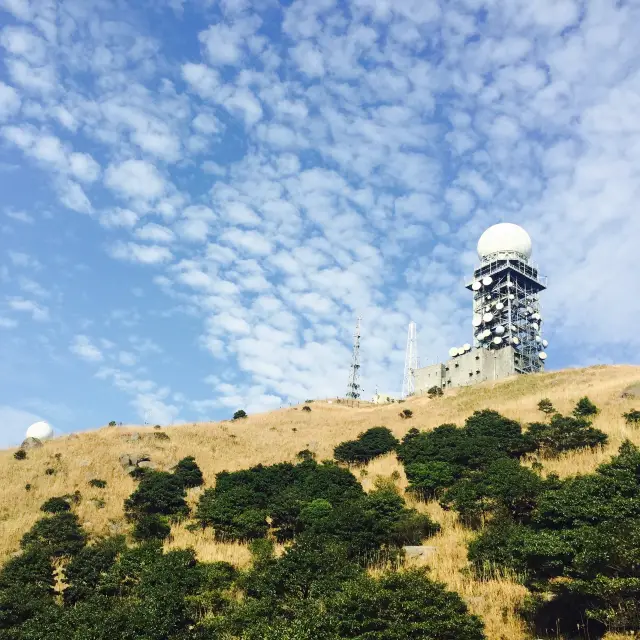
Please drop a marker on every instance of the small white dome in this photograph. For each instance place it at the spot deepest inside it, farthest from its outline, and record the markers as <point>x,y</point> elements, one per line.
<point>504,237</point>
<point>41,430</point>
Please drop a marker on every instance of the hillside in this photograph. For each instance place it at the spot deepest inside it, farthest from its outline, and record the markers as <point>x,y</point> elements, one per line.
<point>277,436</point>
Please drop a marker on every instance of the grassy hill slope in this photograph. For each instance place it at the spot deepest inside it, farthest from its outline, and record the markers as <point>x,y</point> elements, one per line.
<point>277,436</point>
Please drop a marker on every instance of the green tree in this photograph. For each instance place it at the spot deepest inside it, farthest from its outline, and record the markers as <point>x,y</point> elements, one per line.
<point>159,493</point>
<point>546,406</point>
<point>585,408</point>
<point>59,535</point>
<point>55,505</point>
<point>239,414</point>
<point>188,473</point>
<point>370,444</point>
<point>564,433</point>
<point>151,526</point>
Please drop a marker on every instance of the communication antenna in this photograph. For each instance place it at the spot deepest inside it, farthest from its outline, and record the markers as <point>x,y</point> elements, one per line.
<point>410,362</point>
<point>353,386</point>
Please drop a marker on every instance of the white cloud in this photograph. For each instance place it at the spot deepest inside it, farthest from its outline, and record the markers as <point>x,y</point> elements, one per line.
<point>144,254</point>
<point>7,323</point>
<point>9,101</point>
<point>224,43</point>
<point>41,80</point>
<point>153,232</point>
<point>127,358</point>
<point>84,167</point>
<point>202,79</point>
<point>38,312</point>
<point>250,241</point>
<point>22,42</point>
<point>119,218</point>
<point>82,347</point>
<point>20,216</point>
<point>206,124</point>
<point>73,196</point>
<point>20,259</point>
<point>135,179</point>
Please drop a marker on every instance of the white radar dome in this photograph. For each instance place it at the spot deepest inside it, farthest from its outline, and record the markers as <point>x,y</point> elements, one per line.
<point>504,237</point>
<point>41,430</point>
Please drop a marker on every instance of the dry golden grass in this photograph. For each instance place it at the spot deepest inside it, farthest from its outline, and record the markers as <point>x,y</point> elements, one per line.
<point>279,435</point>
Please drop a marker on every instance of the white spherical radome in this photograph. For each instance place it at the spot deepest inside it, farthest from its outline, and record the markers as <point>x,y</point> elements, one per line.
<point>41,430</point>
<point>506,237</point>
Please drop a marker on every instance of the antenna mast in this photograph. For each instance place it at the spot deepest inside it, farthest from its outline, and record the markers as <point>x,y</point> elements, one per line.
<point>410,362</point>
<point>353,386</point>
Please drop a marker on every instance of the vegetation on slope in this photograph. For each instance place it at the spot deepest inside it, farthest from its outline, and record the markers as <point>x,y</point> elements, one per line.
<point>496,596</point>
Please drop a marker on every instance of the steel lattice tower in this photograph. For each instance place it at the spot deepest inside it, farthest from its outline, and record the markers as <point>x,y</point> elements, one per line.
<point>353,386</point>
<point>410,362</point>
<point>506,308</point>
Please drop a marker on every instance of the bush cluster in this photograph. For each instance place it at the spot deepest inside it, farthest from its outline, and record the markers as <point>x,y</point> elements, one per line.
<point>579,543</point>
<point>160,498</point>
<point>319,500</point>
<point>370,444</point>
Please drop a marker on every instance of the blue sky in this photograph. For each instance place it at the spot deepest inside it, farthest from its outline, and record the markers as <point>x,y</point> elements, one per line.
<point>198,197</point>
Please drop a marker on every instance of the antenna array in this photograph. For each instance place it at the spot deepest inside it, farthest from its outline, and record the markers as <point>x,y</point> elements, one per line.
<point>353,386</point>
<point>410,362</point>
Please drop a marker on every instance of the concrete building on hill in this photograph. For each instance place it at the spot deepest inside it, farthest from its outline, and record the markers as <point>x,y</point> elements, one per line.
<point>507,337</point>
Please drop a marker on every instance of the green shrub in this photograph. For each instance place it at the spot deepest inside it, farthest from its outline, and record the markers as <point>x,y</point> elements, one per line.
<point>157,426</point>
<point>158,493</point>
<point>50,471</point>
<point>427,480</point>
<point>305,455</point>
<point>83,573</point>
<point>546,406</point>
<point>137,473</point>
<point>435,392</point>
<point>565,433</point>
<point>20,454</point>
<point>406,413</point>
<point>188,473</point>
<point>306,408</point>
<point>59,535</point>
<point>585,408</point>
<point>27,486</point>
<point>239,414</point>
<point>370,444</point>
<point>151,526</point>
<point>112,423</point>
<point>55,505</point>
<point>161,435</point>
<point>97,483</point>
<point>632,417</point>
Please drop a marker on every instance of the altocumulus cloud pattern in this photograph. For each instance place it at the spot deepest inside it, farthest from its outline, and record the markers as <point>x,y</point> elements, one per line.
<point>198,197</point>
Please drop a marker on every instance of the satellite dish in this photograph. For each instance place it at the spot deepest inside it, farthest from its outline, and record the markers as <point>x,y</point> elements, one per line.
<point>513,328</point>
<point>528,310</point>
<point>460,351</point>
<point>538,339</point>
<point>515,340</point>
<point>499,330</point>
<point>497,340</point>
<point>41,430</point>
<point>511,285</point>
<point>542,355</point>
<point>534,326</point>
<point>487,280</point>
<point>500,306</point>
<point>487,308</point>
<point>487,317</point>
<point>476,285</point>
<point>486,333</point>
<point>453,352</point>
<point>512,296</point>
<point>535,316</point>
<point>476,343</point>
<point>466,346</point>
<point>477,320</point>
<point>545,343</point>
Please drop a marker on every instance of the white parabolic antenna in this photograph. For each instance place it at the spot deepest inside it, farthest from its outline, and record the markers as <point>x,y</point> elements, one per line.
<point>515,340</point>
<point>461,351</point>
<point>542,355</point>
<point>453,351</point>
<point>497,340</point>
<point>477,319</point>
<point>466,346</point>
<point>476,285</point>
<point>487,280</point>
<point>500,306</point>
<point>545,343</point>
<point>487,317</point>
<point>499,330</point>
<point>504,237</point>
<point>41,430</point>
